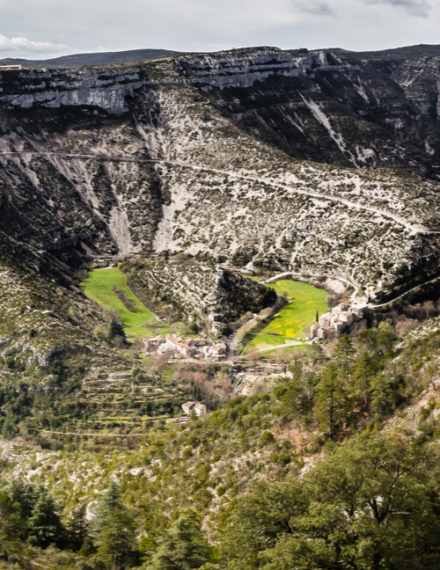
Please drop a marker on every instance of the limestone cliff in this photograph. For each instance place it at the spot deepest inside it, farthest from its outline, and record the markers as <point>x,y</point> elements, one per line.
<point>204,154</point>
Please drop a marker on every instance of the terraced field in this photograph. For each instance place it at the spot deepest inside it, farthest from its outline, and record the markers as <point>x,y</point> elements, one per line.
<point>108,287</point>
<point>288,325</point>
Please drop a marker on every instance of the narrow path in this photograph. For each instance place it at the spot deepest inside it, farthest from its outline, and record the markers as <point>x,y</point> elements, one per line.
<point>296,343</point>
<point>404,294</point>
<point>412,228</point>
<point>89,434</point>
<point>300,276</point>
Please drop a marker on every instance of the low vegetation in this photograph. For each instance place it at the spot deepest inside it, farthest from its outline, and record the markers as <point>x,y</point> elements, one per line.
<point>305,303</point>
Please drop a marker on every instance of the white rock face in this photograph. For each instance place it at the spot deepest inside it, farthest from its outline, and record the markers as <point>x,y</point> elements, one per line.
<point>73,88</point>
<point>242,68</point>
<point>120,231</point>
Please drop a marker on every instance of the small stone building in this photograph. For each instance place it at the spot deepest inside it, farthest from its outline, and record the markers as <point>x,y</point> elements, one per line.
<point>197,408</point>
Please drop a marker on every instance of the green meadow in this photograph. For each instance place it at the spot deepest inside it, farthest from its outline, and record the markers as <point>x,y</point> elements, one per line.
<point>289,324</point>
<point>108,287</point>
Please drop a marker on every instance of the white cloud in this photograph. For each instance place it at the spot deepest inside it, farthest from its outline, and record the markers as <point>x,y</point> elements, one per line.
<point>38,29</point>
<point>21,44</point>
<point>314,7</point>
<point>420,8</point>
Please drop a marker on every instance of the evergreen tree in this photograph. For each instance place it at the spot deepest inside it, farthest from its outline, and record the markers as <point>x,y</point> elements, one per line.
<point>295,396</point>
<point>344,353</point>
<point>253,522</point>
<point>382,397</point>
<point>373,504</point>
<point>44,523</point>
<point>385,338</point>
<point>12,526</point>
<point>363,374</point>
<point>378,342</point>
<point>112,531</point>
<point>331,400</point>
<point>78,527</point>
<point>24,495</point>
<point>182,547</point>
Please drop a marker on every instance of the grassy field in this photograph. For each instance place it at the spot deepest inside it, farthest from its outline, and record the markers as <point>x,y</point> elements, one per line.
<point>108,287</point>
<point>288,326</point>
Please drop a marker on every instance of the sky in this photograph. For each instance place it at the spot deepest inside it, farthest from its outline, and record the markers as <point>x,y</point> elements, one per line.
<point>40,29</point>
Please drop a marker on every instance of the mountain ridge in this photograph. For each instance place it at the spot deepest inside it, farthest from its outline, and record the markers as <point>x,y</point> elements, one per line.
<point>136,55</point>
<point>96,58</point>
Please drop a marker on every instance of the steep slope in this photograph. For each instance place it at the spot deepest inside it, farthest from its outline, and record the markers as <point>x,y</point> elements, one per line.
<point>192,172</point>
<point>140,160</point>
<point>277,434</point>
<point>332,106</point>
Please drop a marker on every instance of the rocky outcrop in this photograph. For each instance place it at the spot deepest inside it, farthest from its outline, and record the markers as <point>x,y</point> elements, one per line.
<point>212,298</point>
<point>105,90</point>
<point>329,105</point>
<point>242,68</point>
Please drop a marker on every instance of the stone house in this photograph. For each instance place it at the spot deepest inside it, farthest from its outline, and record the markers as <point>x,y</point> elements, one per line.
<point>216,351</point>
<point>197,408</point>
<point>334,322</point>
<point>152,345</point>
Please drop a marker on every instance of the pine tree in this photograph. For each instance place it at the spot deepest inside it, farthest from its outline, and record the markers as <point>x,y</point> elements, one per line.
<point>331,400</point>
<point>24,495</point>
<point>344,353</point>
<point>182,547</point>
<point>12,527</point>
<point>362,377</point>
<point>112,531</point>
<point>45,526</point>
<point>78,527</point>
<point>382,397</point>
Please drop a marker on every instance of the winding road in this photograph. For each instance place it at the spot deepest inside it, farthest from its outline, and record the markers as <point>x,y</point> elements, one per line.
<point>412,228</point>
<point>404,294</point>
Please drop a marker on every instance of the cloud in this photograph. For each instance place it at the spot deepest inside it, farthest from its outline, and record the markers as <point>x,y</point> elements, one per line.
<point>21,44</point>
<point>315,7</point>
<point>414,7</point>
<point>37,29</point>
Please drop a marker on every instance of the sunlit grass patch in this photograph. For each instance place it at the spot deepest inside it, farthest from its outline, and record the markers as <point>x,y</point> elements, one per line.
<point>288,325</point>
<point>108,287</point>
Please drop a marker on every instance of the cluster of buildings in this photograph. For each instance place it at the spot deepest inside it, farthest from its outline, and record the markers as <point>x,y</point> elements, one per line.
<point>187,348</point>
<point>334,323</point>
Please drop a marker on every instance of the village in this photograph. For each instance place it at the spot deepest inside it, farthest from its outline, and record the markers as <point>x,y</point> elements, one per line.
<point>335,322</point>
<point>185,348</point>
<point>328,326</point>
<point>340,318</point>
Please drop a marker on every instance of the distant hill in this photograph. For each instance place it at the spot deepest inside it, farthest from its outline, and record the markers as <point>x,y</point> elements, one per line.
<point>101,58</point>
<point>395,54</point>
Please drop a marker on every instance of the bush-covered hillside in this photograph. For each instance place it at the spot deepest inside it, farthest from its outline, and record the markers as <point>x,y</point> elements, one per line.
<point>331,465</point>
